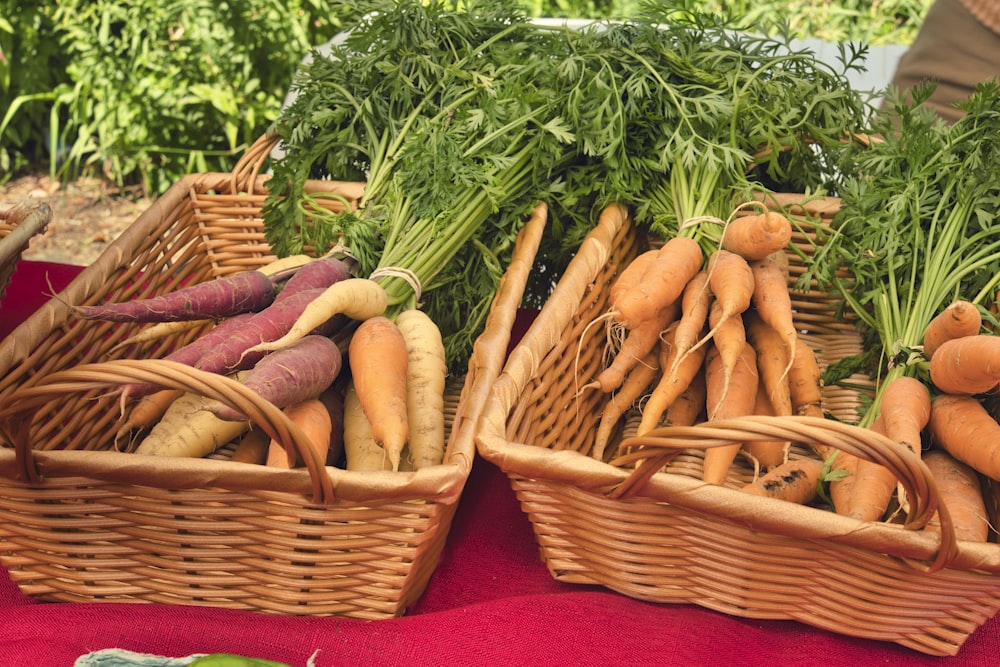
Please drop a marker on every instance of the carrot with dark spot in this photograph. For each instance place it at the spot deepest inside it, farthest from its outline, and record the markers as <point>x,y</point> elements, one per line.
<point>795,481</point>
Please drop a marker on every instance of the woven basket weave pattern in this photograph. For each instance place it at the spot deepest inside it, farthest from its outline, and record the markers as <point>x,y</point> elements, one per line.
<point>675,539</point>
<point>99,524</point>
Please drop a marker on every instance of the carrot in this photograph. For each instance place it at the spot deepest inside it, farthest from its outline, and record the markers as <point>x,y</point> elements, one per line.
<point>773,362</point>
<point>795,481</point>
<point>321,272</point>
<point>843,468</point>
<point>960,491</point>
<point>361,452</point>
<point>695,304</point>
<point>962,427</point>
<point>356,298</point>
<point>426,374</point>
<point>766,454</point>
<point>772,300</point>
<point>147,411</point>
<point>290,376</point>
<point>872,488</point>
<point>967,365</point>
<point>187,428</point>
<point>278,267</point>
<point>159,331</point>
<point>731,282</point>
<point>729,339</point>
<point>634,386</point>
<point>637,344</point>
<point>959,319</point>
<point>905,408</point>
<point>314,420</point>
<point>805,389</point>
<point>243,292</point>
<point>689,407</point>
<point>378,360</point>
<point>252,448</point>
<point>754,237</point>
<point>672,383</point>
<point>239,349</point>
<point>631,275</point>
<point>191,354</point>
<point>661,284</point>
<point>739,395</point>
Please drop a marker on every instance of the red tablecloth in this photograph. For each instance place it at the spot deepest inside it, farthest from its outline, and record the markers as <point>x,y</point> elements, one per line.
<point>491,601</point>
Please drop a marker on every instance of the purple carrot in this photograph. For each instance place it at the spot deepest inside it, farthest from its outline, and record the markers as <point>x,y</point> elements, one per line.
<point>243,292</point>
<point>321,272</point>
<point>268,325</point>
<point>190,354</point>
<point>284,377</point>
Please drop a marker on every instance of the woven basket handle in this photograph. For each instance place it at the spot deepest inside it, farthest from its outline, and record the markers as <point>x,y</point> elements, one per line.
<point>650,452</point>
<point>22,404</point>
<point>251,163</point>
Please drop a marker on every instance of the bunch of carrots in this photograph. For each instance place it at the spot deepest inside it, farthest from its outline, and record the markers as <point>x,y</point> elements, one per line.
<point>695,338</point>
<point>284,332</point>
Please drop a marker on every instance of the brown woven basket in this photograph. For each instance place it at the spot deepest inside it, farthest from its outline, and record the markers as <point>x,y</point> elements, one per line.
<point>80,521</point>
<point>18,224</point>
<point>668,537</point>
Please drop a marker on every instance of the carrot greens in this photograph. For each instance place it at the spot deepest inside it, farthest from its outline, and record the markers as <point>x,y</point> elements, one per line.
<point>460,117</point>
<point>917,228</point>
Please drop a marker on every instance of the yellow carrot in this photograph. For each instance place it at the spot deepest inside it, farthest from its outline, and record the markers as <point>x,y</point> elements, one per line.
<point>426,375</point>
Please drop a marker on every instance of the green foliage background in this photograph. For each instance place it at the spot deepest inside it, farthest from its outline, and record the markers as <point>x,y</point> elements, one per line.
<point>145,91</point>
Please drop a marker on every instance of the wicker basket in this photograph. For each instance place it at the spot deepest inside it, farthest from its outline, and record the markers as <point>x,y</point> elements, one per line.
<point>18,224</point>
<point>80,521</point>
<point>668,537</point>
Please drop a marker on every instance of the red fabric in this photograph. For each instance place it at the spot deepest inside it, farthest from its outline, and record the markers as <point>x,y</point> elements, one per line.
<point>491,601</point>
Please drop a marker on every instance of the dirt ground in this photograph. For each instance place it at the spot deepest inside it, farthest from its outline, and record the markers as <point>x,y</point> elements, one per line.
<point>87,215</point>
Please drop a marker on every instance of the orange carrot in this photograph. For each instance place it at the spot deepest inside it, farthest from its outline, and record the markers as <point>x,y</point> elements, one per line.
<point>661,284</point>
<point>314,420</point>
<point>755,237</point>
<point>147,411</point>
<point>960,318</point>
<point>795,481</point>
<point>638,342</point>
<point>967,365</point>
<point>252,448</point>
<point>631,274</point>
<point>872,488</point>
<point>844,470</point>
<point>773,362</point>
<point>963,428</point>
<point>772,299</point>
<point>765,453</point>
<point>633,387</point>
<point>739,401</point>
<point>805,388</point>
<point>960,491</point>
<point>729,339</point>
<point>689,407</point>
<point>695,304</point>
<point>905,408</point>
<point>672,383</point>
<point>378,360</point>
<point>731,282</point>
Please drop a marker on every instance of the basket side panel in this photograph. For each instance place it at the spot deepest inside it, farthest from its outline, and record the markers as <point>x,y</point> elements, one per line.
<point>667,554</point>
